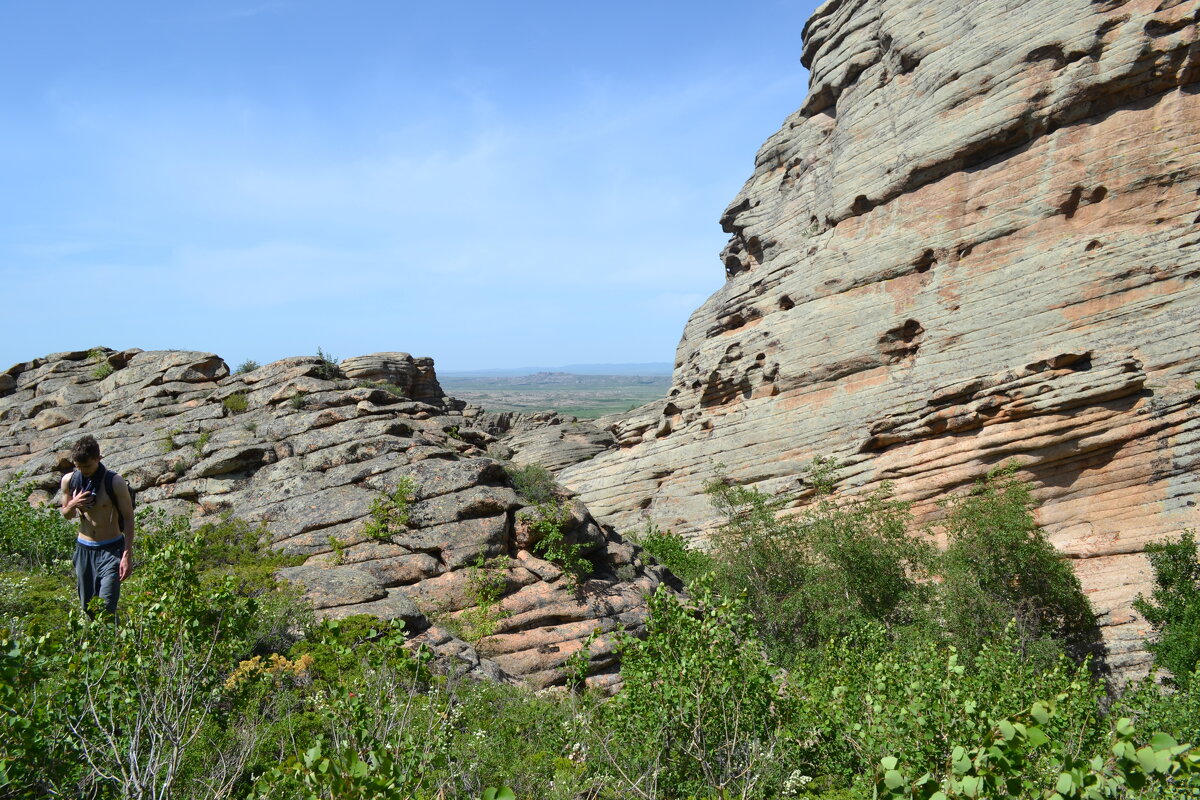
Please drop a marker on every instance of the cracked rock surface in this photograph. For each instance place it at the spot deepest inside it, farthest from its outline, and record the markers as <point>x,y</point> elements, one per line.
<point>308,455</point>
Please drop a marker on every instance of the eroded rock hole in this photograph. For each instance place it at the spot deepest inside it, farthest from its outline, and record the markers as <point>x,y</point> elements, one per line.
<point>926,261</point>
<point>1093,244</point>
<point>786,304</point>
<point>861,205</point>
<point>902,342</point>
<point>1099,193</point>
<point>1069,206</point>
<point>754,249</point>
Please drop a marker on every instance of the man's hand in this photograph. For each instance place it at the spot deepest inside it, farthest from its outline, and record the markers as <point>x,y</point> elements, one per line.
<point>80,499</point>
<point>126,567</point>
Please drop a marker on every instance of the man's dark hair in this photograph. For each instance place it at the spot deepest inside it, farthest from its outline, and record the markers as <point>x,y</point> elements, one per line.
<point>86,449</point>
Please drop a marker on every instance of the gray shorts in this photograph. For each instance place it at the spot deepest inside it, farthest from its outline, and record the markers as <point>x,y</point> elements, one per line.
<point>96,573</point>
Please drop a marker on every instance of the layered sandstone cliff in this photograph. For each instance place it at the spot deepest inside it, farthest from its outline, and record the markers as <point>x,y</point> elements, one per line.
<point>305,448</point>
<point>977,240</point>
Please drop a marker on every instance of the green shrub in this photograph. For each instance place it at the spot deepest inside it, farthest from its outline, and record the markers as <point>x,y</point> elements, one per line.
<point>533,482</point>
<point>102,369</point>
<point>839,565</point>
<point>34,538</point>
<point>236,403</point>
<point>390,388</point>
<point>166,441</point>
<point>328,369</point>
<point>487,580</point>
<point>390,512</point>
<point>701,708</point>
<point>547,520</point>
<point>1009,763</point>
<point>998,566</point>
<point>297,400</point>
<point>873,696</point>
<point>249,365</point>
<point>670,550</point>
<point>1173,607</point>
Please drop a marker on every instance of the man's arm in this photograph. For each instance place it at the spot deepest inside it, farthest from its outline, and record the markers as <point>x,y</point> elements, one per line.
<point>125,506</point>
<point>71,503</point>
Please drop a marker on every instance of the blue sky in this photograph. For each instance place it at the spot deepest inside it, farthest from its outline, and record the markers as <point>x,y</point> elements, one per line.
<point>491,184</point>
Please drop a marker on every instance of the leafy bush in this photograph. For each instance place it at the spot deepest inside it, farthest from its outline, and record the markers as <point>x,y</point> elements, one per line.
<point>102,369</point>
<point>533,483</point>
<point>701,708</point>
<point>249,365</point>
<point>839,565</point>
<point>328,369</point>
<point>1173,607</point>
<point>871,697</point>
<point>236,403</point>
<point>298,400</point>
<point>390,512</point>
<point>1007,766</point>
<point>34,538</point>
<point>487,580</point>
<point>670,550</point>
<point>547,520</point>
<point>998,566</point>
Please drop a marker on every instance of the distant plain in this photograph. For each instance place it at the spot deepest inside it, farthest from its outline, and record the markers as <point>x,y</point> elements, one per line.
<point>583,396</point>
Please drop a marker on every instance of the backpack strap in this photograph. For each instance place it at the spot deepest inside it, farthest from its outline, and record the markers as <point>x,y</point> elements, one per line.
<point>108,489</point>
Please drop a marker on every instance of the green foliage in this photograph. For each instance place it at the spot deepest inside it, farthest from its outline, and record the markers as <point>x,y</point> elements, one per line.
<point>249,365</point>
<point>998,566</point>
<point>34,538</point>
<point>236,403</point>
<point>328,369</point>
<point>202,442</point>
<point>701,708</point>
<point>838,566</point>
<point>1173,607</point>
<point>166,442</point>
<point>532,482</point>
<point>578,665</point>
<point>338,548</point>
<point>487,580</point>
<point>128,699</point>
<point>872,697</point>
<point>297,400</point>
<point>670,550</point>
<point>102,369</point>
<point>547,521</point>
<point>1011,765</point>
<point>214,685</point>
<point>390,512</point>
<point>390,388</point>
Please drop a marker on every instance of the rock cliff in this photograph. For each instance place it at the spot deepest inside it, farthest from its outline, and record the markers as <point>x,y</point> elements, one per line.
<point>305,447</point>
<point>977,240</point>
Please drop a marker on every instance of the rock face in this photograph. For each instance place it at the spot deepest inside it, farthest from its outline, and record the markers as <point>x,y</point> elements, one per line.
<point>306,451</point>
<point>977,240</point>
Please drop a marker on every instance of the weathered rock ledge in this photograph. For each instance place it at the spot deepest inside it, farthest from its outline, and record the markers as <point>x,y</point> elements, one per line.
<point>307,457</point>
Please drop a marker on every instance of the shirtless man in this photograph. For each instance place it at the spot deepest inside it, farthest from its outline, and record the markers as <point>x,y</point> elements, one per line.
<point>103,551</point>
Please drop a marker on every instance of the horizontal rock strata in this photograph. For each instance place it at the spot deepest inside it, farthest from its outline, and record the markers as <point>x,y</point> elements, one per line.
<point>306,447</point>
<point>977,240</point>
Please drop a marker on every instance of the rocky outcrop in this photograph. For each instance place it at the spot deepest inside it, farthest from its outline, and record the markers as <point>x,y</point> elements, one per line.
<point>302,449</point>
<point>977,240</point>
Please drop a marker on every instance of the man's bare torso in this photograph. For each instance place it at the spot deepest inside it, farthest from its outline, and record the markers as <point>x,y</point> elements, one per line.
<point>99,522</point>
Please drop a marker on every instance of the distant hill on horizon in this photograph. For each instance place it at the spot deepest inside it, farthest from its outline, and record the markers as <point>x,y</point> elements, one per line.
<point>646,368</point>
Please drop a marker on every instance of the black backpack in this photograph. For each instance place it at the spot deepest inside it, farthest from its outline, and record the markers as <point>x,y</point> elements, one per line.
<point>79,482</point>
